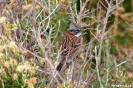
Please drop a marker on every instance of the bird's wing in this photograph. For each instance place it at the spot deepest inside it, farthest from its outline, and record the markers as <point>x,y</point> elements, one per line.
<point>70,45</point>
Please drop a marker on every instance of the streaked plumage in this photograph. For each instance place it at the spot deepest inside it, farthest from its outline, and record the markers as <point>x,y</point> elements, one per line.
<point>71,44</point>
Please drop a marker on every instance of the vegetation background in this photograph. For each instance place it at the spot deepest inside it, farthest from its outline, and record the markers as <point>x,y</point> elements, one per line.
<point>31,32</point>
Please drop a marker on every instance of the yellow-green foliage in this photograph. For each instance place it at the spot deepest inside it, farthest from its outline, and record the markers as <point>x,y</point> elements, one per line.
<point>13,72</point>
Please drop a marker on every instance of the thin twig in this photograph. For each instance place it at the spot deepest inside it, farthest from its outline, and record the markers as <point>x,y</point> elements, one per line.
<point>81,12</point>
<point>72,14</point>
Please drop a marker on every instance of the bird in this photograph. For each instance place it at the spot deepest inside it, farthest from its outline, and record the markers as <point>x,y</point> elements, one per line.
<point>71,44</point>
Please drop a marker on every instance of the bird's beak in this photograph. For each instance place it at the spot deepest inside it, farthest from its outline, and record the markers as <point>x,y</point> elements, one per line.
<point>81,31</point>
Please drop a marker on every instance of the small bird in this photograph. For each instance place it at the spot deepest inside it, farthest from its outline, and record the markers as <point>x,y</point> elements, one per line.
<point>71,44</point>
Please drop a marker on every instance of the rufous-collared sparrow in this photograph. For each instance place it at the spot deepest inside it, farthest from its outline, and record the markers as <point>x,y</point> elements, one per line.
<point>71,44</point>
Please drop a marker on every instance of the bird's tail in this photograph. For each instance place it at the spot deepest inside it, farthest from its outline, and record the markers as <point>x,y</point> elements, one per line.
<point>59,67</point>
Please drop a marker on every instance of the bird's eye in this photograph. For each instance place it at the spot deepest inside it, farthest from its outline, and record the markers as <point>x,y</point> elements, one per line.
<point>70,30</point>
<point>77,30</point>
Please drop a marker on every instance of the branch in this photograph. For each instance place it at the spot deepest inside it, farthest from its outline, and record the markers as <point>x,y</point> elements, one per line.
<point>81,12</point>
<point>72,15</point>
